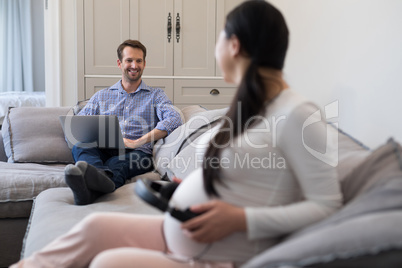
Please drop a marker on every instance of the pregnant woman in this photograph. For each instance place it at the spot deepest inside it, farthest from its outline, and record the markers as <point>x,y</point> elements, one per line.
<point>268,171</point>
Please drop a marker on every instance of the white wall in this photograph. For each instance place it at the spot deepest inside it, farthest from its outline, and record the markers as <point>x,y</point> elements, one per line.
<point>349,51</point>
<point>60,20</point>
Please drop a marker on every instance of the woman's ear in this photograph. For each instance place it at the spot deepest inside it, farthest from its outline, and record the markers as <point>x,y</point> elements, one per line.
<point>234,46</point>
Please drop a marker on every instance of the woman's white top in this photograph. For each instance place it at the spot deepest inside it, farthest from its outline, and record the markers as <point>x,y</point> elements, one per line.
<point>282,170</point>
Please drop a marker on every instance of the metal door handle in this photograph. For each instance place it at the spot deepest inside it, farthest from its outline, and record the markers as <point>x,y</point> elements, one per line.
<point>178,27</point>
<point>169,27</point>
<point>214,92</point>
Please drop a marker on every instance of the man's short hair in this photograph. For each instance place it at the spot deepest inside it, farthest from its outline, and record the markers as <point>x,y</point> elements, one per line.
<point>133,44</point>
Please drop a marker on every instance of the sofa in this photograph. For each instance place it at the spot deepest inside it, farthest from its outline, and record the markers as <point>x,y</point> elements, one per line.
<point>33,155</point>
<point>36,206</point>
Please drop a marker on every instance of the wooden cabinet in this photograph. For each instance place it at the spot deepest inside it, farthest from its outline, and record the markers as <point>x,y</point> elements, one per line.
<point>180,37</point>
<point>208,93</point>
<point>93,85</point>
<point>188,51</point>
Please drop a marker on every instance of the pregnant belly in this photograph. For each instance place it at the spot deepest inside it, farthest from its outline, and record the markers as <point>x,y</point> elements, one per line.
<point>190,192</point>
<point>236,247</point>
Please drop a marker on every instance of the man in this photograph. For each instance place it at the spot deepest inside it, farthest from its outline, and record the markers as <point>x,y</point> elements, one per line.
<point>145,115</point>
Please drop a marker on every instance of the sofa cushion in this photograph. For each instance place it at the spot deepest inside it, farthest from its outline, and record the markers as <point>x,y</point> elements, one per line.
<point>24,181</point>
<point>34,134</point>
<point>351,153</point>
<point>367,225</point>
<point>54,213</point>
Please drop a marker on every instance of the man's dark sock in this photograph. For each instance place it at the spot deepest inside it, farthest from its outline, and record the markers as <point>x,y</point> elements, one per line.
<point>96,179</point>
<point>75,180</point>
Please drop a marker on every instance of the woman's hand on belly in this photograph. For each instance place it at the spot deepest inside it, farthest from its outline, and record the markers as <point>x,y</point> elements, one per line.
<point>218,220</point>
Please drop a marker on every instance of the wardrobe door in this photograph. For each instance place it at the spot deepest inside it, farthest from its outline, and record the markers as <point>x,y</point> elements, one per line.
<point>150,23</point>
<point>106,25</point>
<point>194,38</point>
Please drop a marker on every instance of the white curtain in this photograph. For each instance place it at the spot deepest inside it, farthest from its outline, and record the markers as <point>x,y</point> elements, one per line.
<point>15,46</point>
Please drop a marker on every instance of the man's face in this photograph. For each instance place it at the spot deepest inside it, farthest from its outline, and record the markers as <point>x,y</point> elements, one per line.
<point>132,64</point>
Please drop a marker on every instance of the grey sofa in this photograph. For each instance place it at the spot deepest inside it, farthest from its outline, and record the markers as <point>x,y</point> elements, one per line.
<point>364,233</point>
<point>33,154</point>
<point>20,183</point>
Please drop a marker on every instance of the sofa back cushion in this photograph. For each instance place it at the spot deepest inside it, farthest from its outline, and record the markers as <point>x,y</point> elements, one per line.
<point>351,153</point>
<point>34,134</point>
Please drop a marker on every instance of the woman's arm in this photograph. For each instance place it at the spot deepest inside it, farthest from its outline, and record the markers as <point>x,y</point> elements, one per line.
<point>218,220</point>
<point>310,149</point>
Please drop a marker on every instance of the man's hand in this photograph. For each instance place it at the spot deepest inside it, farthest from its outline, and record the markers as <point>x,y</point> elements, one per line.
<point>151,136</point>
<point>219,219</point>
<point>132,143</point>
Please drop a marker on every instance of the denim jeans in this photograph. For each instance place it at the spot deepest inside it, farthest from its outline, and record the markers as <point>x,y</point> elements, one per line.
<point>123,164</point>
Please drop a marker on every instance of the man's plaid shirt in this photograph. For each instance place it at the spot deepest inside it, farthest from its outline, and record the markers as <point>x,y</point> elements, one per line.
<point>139,112</point>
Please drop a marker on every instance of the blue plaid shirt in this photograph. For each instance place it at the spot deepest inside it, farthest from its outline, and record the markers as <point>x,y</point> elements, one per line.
<point>139,112</point>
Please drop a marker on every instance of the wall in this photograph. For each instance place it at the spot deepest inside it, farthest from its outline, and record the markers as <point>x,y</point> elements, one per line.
<point>349,51</point>
<point>61,33</point>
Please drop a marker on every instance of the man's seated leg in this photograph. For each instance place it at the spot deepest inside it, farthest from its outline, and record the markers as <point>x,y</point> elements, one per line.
<point>85,180</point>
<point>96,179</point>
<point>75,180</point>
<point>92,155</point>
<point>126,166</point>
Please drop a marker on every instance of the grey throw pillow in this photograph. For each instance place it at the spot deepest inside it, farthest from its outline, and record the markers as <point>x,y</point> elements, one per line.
<point>351,153</point>
<point>368,224</point>
<point>34,134</point>
<point>377,168</point>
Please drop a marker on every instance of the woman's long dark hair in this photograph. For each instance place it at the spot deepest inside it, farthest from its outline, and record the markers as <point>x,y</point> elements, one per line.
<point>263,36</point>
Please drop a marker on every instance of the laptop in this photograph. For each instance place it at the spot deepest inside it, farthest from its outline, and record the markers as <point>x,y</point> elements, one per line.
<point>102,131</point>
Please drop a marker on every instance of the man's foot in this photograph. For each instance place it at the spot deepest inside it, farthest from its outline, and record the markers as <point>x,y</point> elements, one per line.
<point>95,179</point>
<point>75,180</point>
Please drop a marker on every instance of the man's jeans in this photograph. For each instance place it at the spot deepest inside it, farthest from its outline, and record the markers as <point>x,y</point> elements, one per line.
<point>123,164</point>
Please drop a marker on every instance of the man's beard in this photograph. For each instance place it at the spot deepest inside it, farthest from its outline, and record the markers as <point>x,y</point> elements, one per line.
<point>130,79</point>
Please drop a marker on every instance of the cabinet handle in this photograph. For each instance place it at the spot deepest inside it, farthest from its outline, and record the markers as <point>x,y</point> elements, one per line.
<point>214,92</point>
<point>169,28</point>
<point>178,27</point>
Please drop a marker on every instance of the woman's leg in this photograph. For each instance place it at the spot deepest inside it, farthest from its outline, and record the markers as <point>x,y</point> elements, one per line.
<point>97,233</point>
<point>145,258</point>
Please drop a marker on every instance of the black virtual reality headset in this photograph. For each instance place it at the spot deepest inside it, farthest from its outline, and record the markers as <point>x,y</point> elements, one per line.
<point>158,195</point>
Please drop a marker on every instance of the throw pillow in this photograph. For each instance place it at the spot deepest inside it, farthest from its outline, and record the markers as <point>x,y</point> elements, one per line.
<point>377,168</point>
<point>34,134</point>
<point>351,153</point>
